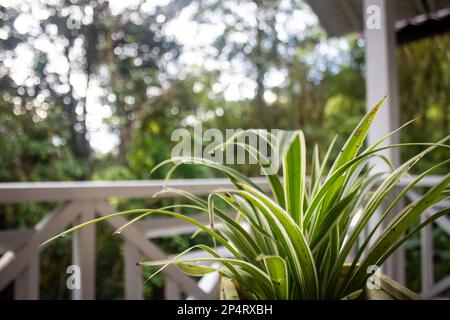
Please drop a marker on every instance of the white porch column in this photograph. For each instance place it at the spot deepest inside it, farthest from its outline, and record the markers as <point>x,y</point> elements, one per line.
<point>381,80</point>
<point>381,72</point>
<point>83,253</point>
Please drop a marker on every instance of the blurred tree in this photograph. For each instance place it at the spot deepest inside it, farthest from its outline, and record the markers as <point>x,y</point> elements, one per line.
<point>257,39</point>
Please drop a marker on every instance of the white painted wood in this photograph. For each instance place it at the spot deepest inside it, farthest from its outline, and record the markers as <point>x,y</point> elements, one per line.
<point>83,253</point>
<point>382,80</point>
<point>150,250</point>
<point>26,285</point>
<point>395,266</point>
<point>350,13</point>
<point>437,289</point>
<point>426,257</point>
<point>171,290</point>
<point>164,227</point>
<point>22,192</point>
<point>381,77</point>
<point>19,192</point>
<point>443,222</point>
<point>49,226</point>
<point>6,259</point>
<point>332,17</point>
<point>133,273</point>
<point>14,239</point>
<point>196,254</point>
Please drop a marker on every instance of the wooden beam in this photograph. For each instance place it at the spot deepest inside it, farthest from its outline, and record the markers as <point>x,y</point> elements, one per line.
<point>164,227</point>
<point>337,20</point>
<point>26,285</point>
<point>382,80</point>
<point>426,29</point>
<point>395,266</point>
<point>171,290</point>
<point>354,17</point>
<point>49,226</point>
<point>426,257</point>
<point>150,250</point>
<point>443,222</point>
<point>133,273</point>
<point>20,192</point>
<point>196,254</point>
<point>437,289</point>
<point>12,240</point>
<point>83,253</point>
<point>6,259</point>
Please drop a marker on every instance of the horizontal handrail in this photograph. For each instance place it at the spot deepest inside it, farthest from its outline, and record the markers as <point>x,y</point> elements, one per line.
<point>20,192</point>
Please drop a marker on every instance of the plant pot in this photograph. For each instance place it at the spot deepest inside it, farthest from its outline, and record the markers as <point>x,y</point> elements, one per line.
<point>390,290</point>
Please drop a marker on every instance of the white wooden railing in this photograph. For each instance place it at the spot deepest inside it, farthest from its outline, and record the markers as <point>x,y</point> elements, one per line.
<point>82,201</point>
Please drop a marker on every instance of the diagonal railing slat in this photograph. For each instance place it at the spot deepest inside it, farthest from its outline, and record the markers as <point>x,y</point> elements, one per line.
<point>150,250</point>
<point>52,224</point>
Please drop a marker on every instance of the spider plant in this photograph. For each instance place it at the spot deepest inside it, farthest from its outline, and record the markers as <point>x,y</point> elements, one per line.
<point>295,241</point>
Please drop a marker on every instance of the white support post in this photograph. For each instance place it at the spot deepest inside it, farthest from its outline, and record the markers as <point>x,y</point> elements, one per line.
<point>83,254</point>
<point>26,285</point>
<point>426,257</point>
<point>171,290</point>
<point>151,251</point>
<point>381,80</point>
<point>133,273</point>
<point>50,225</point>
<point>381,74</point>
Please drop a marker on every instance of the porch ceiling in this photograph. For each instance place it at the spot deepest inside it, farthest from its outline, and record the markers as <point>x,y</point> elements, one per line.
<point>340,17</point>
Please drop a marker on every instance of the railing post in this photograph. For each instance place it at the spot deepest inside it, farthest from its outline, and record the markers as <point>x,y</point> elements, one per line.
<point>426,256</point>
<point>47,227</point>
<point>83,254</point>
<point>171,290</point>
<point>395,266</point>
<point>26,285</point>
<point>133,273</point>
<point>150,250</point>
